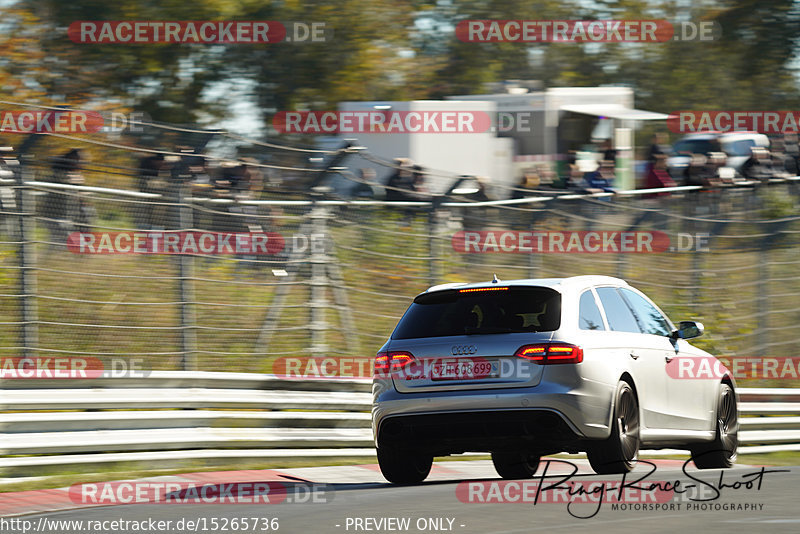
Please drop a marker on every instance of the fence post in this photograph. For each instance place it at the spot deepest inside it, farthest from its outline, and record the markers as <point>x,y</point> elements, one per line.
<point>762,299</point>
<point>29,333</point>
<point>535,257</point>
<point>186,284</point>
<point>319,279</point>
<point>433,245</point>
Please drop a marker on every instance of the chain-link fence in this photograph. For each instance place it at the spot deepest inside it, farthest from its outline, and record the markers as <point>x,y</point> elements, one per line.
<point>80,273</point>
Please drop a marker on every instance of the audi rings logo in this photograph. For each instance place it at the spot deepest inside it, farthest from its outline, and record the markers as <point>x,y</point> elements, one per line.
<point>463,349</point>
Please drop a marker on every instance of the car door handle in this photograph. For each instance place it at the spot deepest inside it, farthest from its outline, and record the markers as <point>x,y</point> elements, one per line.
<point>669,358</point>
<point>634,355</point>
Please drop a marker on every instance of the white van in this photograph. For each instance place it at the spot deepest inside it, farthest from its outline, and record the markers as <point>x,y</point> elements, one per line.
<point>736,145</point>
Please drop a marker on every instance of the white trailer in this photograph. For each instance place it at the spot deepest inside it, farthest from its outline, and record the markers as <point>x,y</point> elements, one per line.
<point>446,155</point>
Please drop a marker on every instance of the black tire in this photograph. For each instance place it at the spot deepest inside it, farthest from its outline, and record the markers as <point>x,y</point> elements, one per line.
<point>515,465</point>
<point>721,453</point>
<point>620,451</point>
<point>404,467</point>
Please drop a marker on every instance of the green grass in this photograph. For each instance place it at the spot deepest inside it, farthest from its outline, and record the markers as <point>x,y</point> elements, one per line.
<point>384,262</point>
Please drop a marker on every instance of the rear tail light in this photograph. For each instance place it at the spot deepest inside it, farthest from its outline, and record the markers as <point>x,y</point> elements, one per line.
<point>392,361</point>
<point>551,353</point>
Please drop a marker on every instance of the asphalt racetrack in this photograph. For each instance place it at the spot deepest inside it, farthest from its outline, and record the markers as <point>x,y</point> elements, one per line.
<point>747,499</point>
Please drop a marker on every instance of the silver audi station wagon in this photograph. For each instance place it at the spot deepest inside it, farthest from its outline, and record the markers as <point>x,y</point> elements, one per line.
<point>526,368</point>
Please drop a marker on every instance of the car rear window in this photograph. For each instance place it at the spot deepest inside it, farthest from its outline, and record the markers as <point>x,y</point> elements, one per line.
<point>696,146</point>
<point>743,147</point>
<point>499,310</point>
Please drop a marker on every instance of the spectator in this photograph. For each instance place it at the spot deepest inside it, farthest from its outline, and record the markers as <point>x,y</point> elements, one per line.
<point>481,195</point>
<point>475,216</point>
<point>758,166</point>
<point>223,183</point>
<point>251,180</point>
<point>419,190</point>
<point>547,176</point>
<point>191,177</point>
<point>179,171</point>
<point>658,176</point>
<point>659,148</point>
<point>609,153</point>
<point>778,159</point>
<point>575,177</point>
<point>237,179</point>
<point>696,172</point>
<point>367,187</point>
<point>708,171</point>
<point>792,151</point>
<point>716,169</point>
<point>152,178</point>
<point>198,175</point>
<point>67,167</point>
<point>399,186</point>
<point>407,184</point>
<point>8,202</point>
<point>68,212</point>
<point>602,179</point>
<point>160,209</point>
<point>235,182</point>
<point>245,183</point>
<point>527,184</point>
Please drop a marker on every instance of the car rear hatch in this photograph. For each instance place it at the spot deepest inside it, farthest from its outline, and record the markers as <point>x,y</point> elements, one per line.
<point>462,339</point>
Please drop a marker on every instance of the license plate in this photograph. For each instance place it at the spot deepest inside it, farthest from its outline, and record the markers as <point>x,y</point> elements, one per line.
<point>464,369</point>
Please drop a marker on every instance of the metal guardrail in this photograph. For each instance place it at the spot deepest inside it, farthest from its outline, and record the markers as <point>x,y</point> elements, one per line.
<point>176,415</point>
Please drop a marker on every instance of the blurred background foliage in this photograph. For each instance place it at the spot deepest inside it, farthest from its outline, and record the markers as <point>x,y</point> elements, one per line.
<point>391,49</point>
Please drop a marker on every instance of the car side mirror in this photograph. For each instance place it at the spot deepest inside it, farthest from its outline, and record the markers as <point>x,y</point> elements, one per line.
<point>688,330</point>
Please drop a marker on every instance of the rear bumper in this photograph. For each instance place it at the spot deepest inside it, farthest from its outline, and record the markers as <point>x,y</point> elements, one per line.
<point>549,417</point>
<point>454,432</point>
